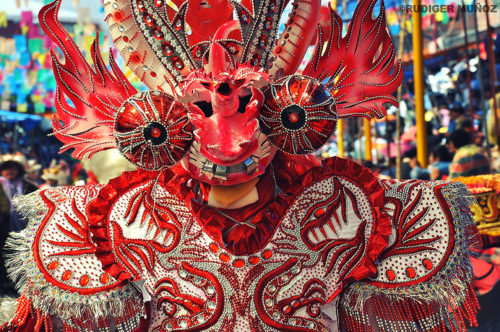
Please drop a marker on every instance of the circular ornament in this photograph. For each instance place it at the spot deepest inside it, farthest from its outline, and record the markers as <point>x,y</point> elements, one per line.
<point>299,114</point>
<point>152,130</point>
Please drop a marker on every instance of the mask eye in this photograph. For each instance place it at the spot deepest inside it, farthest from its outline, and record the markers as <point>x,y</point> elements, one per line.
<point>205,107</point>
<point>298,115</point>
<point>152,130</point>
<point>224,89</point>
<point>244,102</point>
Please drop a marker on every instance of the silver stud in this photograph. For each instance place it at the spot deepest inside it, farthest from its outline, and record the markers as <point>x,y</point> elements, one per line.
<point>208,167</point>
<point>271,288</point>
<point>183,273</point>
<point>183,324</point>
<point>211,305</point>
<point>210,290</point>
<point>276,315</point>
<point>121,28</point>
<point>251,165</point>
<point>269,303</point>
<point>115,5</point>
<point>220,172</point>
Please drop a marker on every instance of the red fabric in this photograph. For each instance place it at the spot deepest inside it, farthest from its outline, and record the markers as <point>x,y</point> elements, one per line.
<point>243,239</point>
<point>486,273</point>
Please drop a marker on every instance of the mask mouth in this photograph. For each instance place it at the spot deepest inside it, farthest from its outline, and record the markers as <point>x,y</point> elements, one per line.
<point>247,167</point>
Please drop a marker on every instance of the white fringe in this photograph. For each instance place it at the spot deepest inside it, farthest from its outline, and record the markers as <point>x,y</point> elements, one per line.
<point>448,288</point>
<point>50,299</point>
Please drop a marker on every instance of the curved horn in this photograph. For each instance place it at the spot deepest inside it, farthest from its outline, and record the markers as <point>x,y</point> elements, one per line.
<point>219,59</point>
<point>295,39</point>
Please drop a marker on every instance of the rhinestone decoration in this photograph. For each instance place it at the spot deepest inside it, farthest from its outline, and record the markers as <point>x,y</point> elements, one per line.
<point>299,114</point>
<point>152,130</point>
<point>210,290</point>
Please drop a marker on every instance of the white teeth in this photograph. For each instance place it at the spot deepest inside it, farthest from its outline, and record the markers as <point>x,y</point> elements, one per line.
<point>220,172</point>
<point>208,168</point>
<point>245,142</point>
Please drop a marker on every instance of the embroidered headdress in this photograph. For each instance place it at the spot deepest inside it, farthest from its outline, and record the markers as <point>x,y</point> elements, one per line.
<point>224,96</point>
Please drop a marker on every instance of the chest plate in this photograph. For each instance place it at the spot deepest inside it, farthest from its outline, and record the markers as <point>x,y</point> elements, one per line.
<point>197,285</point>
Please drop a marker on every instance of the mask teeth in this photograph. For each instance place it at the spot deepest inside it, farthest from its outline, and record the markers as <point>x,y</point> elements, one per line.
<point>208,167</point>
<point>251,164</point>
<point>220,172</point>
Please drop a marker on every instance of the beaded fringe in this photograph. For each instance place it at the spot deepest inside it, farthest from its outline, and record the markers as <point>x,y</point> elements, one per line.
<point>379,313</point>
<point>442,303</point>
<point>42,304</point>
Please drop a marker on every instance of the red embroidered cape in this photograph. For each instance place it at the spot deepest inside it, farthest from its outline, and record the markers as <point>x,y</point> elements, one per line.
<point>327,246</point>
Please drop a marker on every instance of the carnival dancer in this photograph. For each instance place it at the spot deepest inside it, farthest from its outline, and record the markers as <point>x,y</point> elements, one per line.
<point>229,223</point>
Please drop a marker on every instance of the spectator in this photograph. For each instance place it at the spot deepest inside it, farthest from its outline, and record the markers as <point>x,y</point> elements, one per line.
<point>33,172</point>
<point>12,182</point>
<point>469,159</point>
<point>51,176</point>
<point>457,118</point>
<point>416,171</point>
<point>444,114</point>
<point>439,160</point>
<point>406,167</point>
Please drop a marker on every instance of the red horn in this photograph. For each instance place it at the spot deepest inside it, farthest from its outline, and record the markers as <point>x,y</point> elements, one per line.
<point>292,45</point>
<point>219,59</point>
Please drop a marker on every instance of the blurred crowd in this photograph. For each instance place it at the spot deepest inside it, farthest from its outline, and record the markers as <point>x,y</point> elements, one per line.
<point>457,152</point>
<point>21,176</point>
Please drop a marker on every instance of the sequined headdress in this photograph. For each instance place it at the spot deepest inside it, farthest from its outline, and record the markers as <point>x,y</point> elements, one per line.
<point>224,94</point>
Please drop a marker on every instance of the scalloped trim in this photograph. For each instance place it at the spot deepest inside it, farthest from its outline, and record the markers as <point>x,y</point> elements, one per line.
<point>98,209</point>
